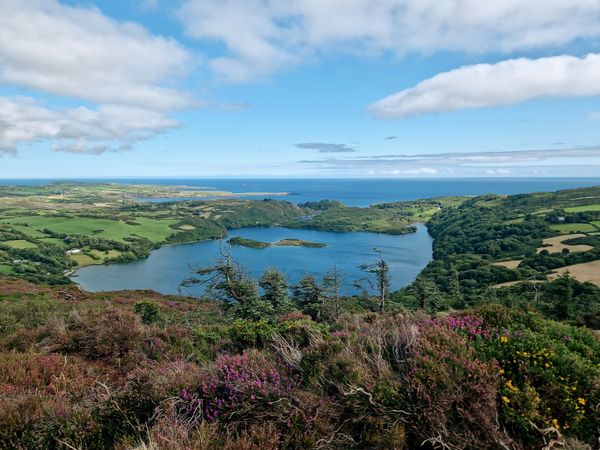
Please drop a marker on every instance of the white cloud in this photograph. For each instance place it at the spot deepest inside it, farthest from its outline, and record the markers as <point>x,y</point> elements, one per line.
<point>497,172</point>
<point>326,147</point>
<point>264,36</point>
<point>79,52</point>
<point>555,162</point>
<point>419,171</point>
<point>77,130</point>
<point>505,83</point>
<point>125,72</point>
<point>595,115</point>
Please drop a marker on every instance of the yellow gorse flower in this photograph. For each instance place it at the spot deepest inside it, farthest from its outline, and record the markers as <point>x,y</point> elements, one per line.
<point>510,386</point>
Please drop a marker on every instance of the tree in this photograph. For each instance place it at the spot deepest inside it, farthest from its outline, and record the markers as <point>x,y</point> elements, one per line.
<point>331,305</point>
<point>307,296</point>
<point>275,290</point>
<point>378,279</point>
<point>562,291</point>
<point>227,281</point>
<point>457,298</point>
<point>422,292</point>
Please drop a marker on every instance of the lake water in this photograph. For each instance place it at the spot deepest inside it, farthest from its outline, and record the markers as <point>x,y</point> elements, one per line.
<point>166,267</point>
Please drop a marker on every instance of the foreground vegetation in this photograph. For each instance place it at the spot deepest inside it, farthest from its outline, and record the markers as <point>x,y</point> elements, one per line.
<point>140,370</point>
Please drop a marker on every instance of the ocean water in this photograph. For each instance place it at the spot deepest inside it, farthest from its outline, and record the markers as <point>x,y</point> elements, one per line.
<point>166,267</point>
<point>357,192</point>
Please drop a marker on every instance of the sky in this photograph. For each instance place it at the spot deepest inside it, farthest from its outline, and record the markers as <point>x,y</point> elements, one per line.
<point>299,88</point>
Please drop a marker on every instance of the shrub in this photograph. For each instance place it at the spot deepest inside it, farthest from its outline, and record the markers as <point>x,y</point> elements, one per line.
<point>248,333</point>
<point>242,385</point>
<point>451,393</point>
<point>549,376</point>
<point>148,311</point>
<point>110,334</point>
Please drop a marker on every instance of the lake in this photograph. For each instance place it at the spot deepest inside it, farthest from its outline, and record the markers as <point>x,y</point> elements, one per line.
<point>166,267</point>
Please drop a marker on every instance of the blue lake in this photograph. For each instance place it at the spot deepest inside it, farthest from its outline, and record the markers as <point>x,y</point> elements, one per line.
<point>166,267</point>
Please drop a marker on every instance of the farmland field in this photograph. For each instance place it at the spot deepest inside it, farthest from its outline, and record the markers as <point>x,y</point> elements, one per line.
<point>573,227</point>
<point>556,244</point>
<point>595,207</point>
<point>20,243</point>
<point>585,272</point>
<point>117,230</point>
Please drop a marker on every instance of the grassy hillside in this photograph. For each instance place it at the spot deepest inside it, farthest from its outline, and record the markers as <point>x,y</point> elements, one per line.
<point>510,247</point>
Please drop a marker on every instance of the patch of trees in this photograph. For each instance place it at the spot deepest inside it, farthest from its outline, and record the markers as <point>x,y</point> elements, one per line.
<point>483,230</point>
<point>545,261</point>
<point>271,296</point>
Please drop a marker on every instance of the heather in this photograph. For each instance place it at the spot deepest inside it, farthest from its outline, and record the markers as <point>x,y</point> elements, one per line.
<point>137,370</point>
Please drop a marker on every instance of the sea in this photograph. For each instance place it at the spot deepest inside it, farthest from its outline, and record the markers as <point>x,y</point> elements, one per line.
<point>354,192</point>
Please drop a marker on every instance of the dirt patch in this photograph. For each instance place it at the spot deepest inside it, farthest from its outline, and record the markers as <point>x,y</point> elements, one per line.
<point>556,244</point>
<point>187,227</point>
<point>510,283</point>
<point>583,272</point>
<point>508,264</point>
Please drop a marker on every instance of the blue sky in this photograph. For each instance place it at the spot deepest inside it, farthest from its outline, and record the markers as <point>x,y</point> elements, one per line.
<point>303,88</point>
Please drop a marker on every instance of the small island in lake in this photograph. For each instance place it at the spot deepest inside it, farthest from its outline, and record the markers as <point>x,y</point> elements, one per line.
<point>290,242</point>
<point>237,240</point>
<point>299,243</point>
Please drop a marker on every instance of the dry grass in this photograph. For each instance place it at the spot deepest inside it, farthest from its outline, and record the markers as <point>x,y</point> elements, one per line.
<point>556,244</point>
<point>584,272</point>
<point>508,264</point>
<point>510,283</point>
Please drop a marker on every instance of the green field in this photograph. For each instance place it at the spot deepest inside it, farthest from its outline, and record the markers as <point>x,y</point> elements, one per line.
<point>54,241</point>
<point>94,257</point>
<point>102,256</point>
<point>20,243</point>
<point>5,269</point>
<point>573,227</point>
<point>574,209</point>
<point>83,260</point>
<point>29,231</point>
<point>117,230</point>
